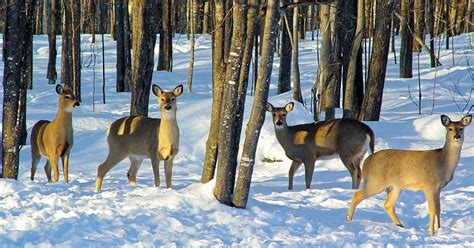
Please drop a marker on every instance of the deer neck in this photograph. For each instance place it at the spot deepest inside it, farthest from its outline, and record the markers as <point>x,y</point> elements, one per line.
<point>284,134</point>
<point>63,117</point>
<point>451,153</point>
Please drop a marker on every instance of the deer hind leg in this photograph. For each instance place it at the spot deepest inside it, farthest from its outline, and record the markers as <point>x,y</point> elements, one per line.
<point>109,163</point>
<point>433,208</point>
<point>168,172</point>
<point>367,191</point>
<point>295,165</point>
<point>35,158</point>
<point>352,165</point>
<point>133,170</point>
<point>308,173</point>
<point>392,195</point>
<point>155,162</point>
<point>47,169</point>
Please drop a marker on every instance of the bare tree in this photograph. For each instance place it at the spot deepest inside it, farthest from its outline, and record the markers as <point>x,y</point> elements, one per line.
<point>297,96</point>
<point>192,23</point>
<point>165,55</point>
<point>406,39</point>
<point>144,38</point>
<point>284,72</point>
<point>53,28</point>
<point>123,46</point>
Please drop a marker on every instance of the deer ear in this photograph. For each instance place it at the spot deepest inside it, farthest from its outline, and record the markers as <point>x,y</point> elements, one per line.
<point>156,90</point>
<point>59,89</point>
<point>178,90</point>
<point>289,106</point>
<point>269,107</point>
<point>466,120</point>
<point>445,120</point>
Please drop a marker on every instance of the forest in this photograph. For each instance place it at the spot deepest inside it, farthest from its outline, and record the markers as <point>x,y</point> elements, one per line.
<point>225,71</point>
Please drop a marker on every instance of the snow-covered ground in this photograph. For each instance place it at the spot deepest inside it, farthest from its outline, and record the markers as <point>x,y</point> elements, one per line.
<point>37,213</point>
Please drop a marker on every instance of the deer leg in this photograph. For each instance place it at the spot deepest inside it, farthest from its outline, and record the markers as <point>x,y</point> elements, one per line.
<point>47,169</point>
<point>35,158</point>
<point>367,191</point>
<point>65,161</point>
<point>432,209</point>
<point>133,170</point>
<point>155,162</point>
<point>294,167</point>
<point>308,173</point>
<point>53,161</point>
<point>103,168</point>
<point>438,212</point>
<point>354,171</point>
<point>389,205</point>
<point>168,172</point>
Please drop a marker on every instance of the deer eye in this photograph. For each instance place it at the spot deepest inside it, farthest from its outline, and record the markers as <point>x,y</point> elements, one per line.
<point>461,129</point>
<point>67,97</point>
<point>283,114</point>
<point>172,99</point>
<point>274,114</point>
<point>162,99</point>
<point>450,129</point>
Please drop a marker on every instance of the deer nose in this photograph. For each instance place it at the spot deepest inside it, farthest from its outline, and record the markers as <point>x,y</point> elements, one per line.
<point>279,123</point>
<point>76,104</point>
<point>167,107</point>
<point>457,136</point>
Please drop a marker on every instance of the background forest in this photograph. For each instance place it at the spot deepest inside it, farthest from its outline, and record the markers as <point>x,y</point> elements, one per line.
<point>400,62</point>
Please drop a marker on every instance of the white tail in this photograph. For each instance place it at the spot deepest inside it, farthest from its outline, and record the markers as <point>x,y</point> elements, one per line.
<point>428,171</point>
<point>53,139</point>
<point>139,137</point>
<point>348,138</point>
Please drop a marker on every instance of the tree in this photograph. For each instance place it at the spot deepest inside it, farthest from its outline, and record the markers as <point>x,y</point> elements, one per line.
<point>257,116</point>
<point>406,39</point>
<point>53,28</point>
<point>123,46</point>
<point>71,51</point>
<point>419,22</point>
<point>284,73</point>
<point>192,23</point>
<point>144,39</point>
<point>297,96</point>
<point>14,88</point>
<point>372,103</point>
<point>228,147</point>
<point>165,55</point>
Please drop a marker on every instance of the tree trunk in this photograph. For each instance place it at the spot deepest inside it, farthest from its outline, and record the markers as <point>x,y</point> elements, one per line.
<point>144,38</point>
<point>297,96</point>
<point>430,29</point>
<point>218,69</point>
<point>228,147</point>
<point>205,22</point>
<point>14,89</point>
<point>228,29</point>
<point>406,42</point>
<point>419,23</point>
<point>70,59</point>
<point>378,63</point>
<point>284,72</point>
<point>349,94</point>
<point>192,23</point>
<point>257,116</point>
<point>123,52</point>
<point>165,60</point>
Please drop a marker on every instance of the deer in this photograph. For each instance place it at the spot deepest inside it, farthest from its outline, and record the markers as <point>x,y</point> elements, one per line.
<point>306,143</point>
<point>429,171</point>
<point>54,139</point>
<point>140,137</point>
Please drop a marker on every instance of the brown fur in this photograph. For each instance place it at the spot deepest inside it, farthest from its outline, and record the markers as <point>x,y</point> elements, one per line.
<point>53,139</point>
<point>139,137</point>
<point>428,171</point>
<point>307,143</point>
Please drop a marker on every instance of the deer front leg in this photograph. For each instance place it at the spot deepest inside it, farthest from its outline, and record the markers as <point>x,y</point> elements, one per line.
<point>155,162</point>
<point>432,209</point>
<point>65,161</point>
<point>168,172</point>
<point>308,173</point>
<point>294,167</point>
<point>53,162</point>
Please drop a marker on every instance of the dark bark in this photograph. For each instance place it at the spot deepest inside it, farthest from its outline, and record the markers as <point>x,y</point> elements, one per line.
<point>228,147</point>
<point>284,72</point>
<point>70,59</point>
<point>297,96</point>
<point>406,39</point>
<point>419,23</point>
<point>123,47</point>
<point>257,116</point>
<point>218,70</point>
<point>53,27</point>
<point>14,89</point>
<point>165,55</point>
<point>372,103</point>
<point>144,38</point>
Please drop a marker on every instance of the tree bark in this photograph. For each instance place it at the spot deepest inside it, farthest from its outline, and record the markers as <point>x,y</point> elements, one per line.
<point>419,23</point>
<point>165,55</point>
<point>378,63</point>
<point>192,23</point>
<point>144,38</point>
<point>14,89</point>
<point>218,70</point>
<point>297,96</point>
<point>228,147</point>
<point>284,72</point>
<point>406,42</point>
<point>70,59</point>
<point>53,27</point>
<point>257,116</point>
<point>123,51</point>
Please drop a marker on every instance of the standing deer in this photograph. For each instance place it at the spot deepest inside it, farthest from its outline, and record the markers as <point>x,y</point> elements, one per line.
<point>428,171</point>
<point>53,139</point>
<point>306,143</point>
<point>139,137</point>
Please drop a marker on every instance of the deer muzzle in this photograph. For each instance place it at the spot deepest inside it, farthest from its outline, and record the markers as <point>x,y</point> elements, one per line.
<point>76,104</point>
<point>167,107</point>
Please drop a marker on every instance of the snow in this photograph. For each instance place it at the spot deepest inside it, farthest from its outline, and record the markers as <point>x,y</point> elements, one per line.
<point>36,213</point>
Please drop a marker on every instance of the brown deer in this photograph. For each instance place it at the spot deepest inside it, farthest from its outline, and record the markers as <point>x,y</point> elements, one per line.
<point>53,139</point>
<point>428,171</point>
<point>139,137</point>
<point>306,143</point>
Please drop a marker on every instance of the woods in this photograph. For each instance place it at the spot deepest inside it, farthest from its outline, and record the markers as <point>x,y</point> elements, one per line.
<point>350,62</point>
